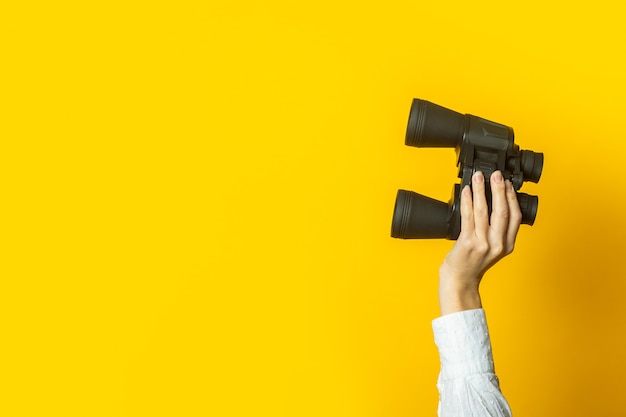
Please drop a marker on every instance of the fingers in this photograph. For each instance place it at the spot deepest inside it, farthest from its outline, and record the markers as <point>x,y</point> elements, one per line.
<point>481,212</point>
<point>498,230</point>
<point>499,211</point>
<point>467,212</point>
<point>485,238</point>
<point>515,217</point>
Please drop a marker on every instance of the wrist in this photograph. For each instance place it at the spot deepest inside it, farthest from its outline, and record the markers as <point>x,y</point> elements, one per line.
<point>452,300</point>
<point>458,292</point>
<point>458,280</point>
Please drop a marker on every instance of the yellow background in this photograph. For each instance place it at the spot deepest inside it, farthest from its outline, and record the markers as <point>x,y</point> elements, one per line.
<point>196,200</point>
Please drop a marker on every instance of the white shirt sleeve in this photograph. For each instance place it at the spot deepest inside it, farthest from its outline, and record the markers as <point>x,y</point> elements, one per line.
<point>468,385</point>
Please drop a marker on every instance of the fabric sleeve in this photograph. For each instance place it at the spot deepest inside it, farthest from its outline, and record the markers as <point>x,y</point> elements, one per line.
<point>468,385</point>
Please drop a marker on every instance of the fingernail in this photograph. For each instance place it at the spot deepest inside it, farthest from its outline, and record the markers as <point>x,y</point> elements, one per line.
<point>478,177</point>
<point>508,185</point>
<point>497,176</point>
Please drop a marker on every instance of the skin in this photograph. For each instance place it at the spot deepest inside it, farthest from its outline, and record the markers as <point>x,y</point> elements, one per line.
<point>483,241</point>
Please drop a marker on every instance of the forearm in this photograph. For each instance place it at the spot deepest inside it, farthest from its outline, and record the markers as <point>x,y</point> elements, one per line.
<point>468,386</point>
<point>457,294</point>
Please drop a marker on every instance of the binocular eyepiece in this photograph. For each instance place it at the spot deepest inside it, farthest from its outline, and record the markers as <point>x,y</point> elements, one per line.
<point>481,145</point>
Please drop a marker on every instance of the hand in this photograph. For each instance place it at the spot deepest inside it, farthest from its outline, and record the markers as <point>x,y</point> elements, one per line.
<point>481,243</point>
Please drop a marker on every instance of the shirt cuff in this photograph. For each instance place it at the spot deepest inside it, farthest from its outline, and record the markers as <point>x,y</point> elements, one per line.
<point>464,344</point>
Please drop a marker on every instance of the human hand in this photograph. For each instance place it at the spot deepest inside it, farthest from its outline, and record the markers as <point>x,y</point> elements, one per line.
<point>483,241</point>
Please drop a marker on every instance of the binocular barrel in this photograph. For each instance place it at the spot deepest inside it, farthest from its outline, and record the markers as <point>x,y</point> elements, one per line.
<point>416,216</point>
<point>433,126</point>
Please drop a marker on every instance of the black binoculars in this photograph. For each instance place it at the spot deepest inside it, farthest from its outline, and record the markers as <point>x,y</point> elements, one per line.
<point>481,145</point>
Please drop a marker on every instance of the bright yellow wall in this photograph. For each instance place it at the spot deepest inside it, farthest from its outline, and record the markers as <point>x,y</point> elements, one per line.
<point>196,201</point>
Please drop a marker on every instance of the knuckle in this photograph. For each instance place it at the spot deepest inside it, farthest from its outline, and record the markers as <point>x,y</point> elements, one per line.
<point>502,212</point>
<point>513,204</point>
<point>480,211</point>
<point>497,249</point>
<point>516,216</point>
<point>482,248</point>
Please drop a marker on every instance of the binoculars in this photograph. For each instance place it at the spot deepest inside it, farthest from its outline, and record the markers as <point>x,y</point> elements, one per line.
<point>481,145</point>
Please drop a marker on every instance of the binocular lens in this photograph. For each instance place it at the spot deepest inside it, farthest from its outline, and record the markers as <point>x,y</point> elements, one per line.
<point>528,205</point>
<point>532,165</point>
<point>433,126</point>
